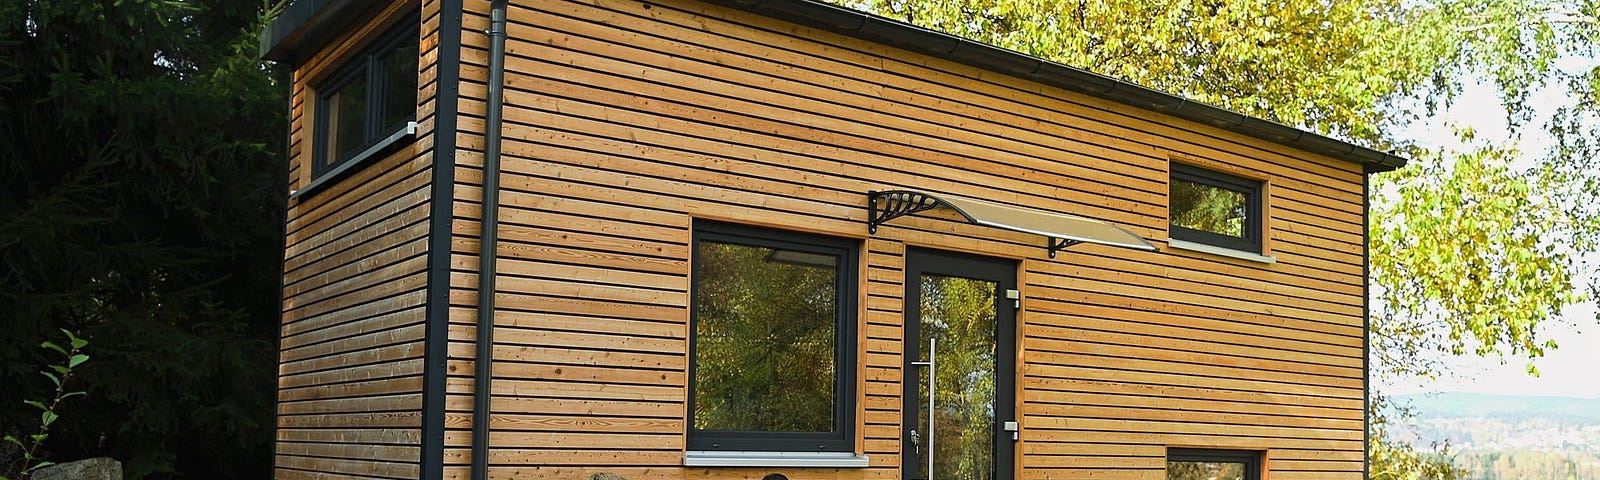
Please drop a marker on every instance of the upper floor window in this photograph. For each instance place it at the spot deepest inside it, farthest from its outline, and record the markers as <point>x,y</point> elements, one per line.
<point>772,333</point>
<point>1215,208</point>
<point>369,103</point>
<point>1199,464</point>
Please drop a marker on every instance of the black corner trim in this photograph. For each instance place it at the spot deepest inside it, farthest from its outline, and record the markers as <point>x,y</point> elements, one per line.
<point>442,196</point>
<point>1366,328</point>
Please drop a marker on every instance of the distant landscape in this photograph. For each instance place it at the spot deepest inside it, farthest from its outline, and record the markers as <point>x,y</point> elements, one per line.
<point>1508,437</point>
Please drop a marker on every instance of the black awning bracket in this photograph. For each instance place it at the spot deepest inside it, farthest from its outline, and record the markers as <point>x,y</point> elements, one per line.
<point>889,205</point>
<point>1059,244</point>
<point>1061,229</point>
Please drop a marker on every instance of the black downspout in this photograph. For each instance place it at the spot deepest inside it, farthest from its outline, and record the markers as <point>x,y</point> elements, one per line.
<point>488,241</point>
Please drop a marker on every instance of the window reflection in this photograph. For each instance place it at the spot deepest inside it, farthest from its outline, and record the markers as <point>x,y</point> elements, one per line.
<point>1208,208</point>
<point>1205,471</point>
<point>765,333</point>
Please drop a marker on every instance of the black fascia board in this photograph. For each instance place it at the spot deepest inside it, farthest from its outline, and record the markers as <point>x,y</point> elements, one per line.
<point>903,35</point>
<point>307,25</point>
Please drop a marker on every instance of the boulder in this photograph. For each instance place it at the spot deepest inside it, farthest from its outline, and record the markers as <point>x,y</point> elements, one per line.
<point>102,468</point>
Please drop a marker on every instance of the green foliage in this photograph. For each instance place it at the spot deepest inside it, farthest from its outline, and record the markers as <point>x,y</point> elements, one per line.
<point>141,151</point>
<point>32,459</point>
<point>1471,250</point>
<point>1463,252</point>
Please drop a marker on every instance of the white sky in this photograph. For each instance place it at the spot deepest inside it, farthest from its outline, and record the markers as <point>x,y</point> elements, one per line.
<point>1573,369</point>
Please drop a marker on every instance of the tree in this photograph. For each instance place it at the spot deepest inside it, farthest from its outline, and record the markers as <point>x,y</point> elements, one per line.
<point>1471,250</point>
<point>141,181</point>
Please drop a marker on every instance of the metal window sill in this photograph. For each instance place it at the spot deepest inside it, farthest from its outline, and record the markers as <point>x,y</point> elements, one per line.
<point>774,459</point>
<point>1215,250</point>
<point>383,147</point>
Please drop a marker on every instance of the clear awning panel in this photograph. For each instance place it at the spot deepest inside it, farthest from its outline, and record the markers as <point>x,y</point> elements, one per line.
<point>1062,229</point>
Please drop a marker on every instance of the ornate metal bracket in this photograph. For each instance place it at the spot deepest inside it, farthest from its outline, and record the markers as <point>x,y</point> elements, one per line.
<point>1059,244</point>
<point>889,205</point>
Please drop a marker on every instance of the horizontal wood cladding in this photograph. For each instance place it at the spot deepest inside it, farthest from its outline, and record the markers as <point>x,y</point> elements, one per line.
<point>350,362</point>
<point>626,121</point>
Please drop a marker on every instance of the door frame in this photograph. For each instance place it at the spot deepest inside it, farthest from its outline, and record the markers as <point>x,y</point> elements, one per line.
<point>1003,272</point>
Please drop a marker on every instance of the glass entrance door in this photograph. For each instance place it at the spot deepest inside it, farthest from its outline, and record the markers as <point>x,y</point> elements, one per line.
<point>960,373</point>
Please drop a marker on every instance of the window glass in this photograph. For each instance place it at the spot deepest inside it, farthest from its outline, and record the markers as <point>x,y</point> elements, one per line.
<point>1208,208</point>
<point>347,120</point>
<point>400,86</point>
<point>765,334</point>
<point>1205,471</point>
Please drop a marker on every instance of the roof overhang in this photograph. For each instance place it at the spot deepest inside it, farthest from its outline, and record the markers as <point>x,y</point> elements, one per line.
<point>307,25</point>
<point>1062,229</point>
<point>877,29</point>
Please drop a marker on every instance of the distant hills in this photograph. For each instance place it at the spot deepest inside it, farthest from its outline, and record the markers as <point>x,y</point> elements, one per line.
<point>1509,437</point>
<point>1466,405</point>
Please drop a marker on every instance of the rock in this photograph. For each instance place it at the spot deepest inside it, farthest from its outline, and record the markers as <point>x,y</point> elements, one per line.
<point>102,468</point>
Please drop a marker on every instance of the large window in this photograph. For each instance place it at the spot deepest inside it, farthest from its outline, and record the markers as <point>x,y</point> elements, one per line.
<point>773,329</point>
<point>1214,208</point>
<point>1197,464</point>
<point>370,103</point>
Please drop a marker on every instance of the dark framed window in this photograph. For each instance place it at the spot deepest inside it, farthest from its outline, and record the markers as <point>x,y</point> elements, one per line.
<point>369,103</point>
<point>1202,464</point>
<point>772,340</point>
<point>1215,208</point>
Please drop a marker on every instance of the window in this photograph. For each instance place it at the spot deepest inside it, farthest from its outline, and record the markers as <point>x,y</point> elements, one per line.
<point>1196,464</point>
<point>369,104</point>
<point>772,334</point>
<point>1215,209</point>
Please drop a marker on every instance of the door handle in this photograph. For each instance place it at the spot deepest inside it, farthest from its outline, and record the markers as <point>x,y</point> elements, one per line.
<point>933,353</point>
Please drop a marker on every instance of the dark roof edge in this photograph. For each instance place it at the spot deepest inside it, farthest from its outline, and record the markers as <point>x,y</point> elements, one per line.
<point>903,35</point>
<point>307,25</point>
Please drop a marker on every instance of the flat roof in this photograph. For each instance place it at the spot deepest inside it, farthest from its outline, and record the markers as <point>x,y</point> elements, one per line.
<point>308,24</point>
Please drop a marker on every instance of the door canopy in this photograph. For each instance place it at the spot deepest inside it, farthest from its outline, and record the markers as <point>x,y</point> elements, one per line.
<point>1063,230</point>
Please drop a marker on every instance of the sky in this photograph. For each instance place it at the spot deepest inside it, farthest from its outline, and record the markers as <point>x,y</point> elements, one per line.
<point>1572,369</point>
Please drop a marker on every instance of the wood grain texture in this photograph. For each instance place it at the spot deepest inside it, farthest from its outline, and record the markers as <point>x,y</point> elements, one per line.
<point>350,383</point>
<point>624,124</point>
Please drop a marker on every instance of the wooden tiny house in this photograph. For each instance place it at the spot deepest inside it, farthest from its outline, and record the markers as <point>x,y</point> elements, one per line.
<point>736,238</point>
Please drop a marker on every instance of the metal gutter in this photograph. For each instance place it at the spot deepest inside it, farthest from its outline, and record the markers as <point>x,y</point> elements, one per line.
<point>488,241</point>
<point>436,336</point>
<point>903,35</point>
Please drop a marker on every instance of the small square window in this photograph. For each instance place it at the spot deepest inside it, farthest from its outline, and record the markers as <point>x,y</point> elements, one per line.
<point>1199,464</point>
<point>1215,208</point>
<point>773,328</point>
<point>369,101</point>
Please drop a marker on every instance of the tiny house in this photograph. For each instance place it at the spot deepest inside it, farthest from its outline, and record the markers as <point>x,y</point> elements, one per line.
<point>779,239</point>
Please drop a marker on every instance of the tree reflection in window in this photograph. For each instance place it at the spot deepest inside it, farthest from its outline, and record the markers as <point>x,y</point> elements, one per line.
<point>765,337</point>
<point>1205,471</point>
<point>1208,208</point>
<point>959,314</point>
